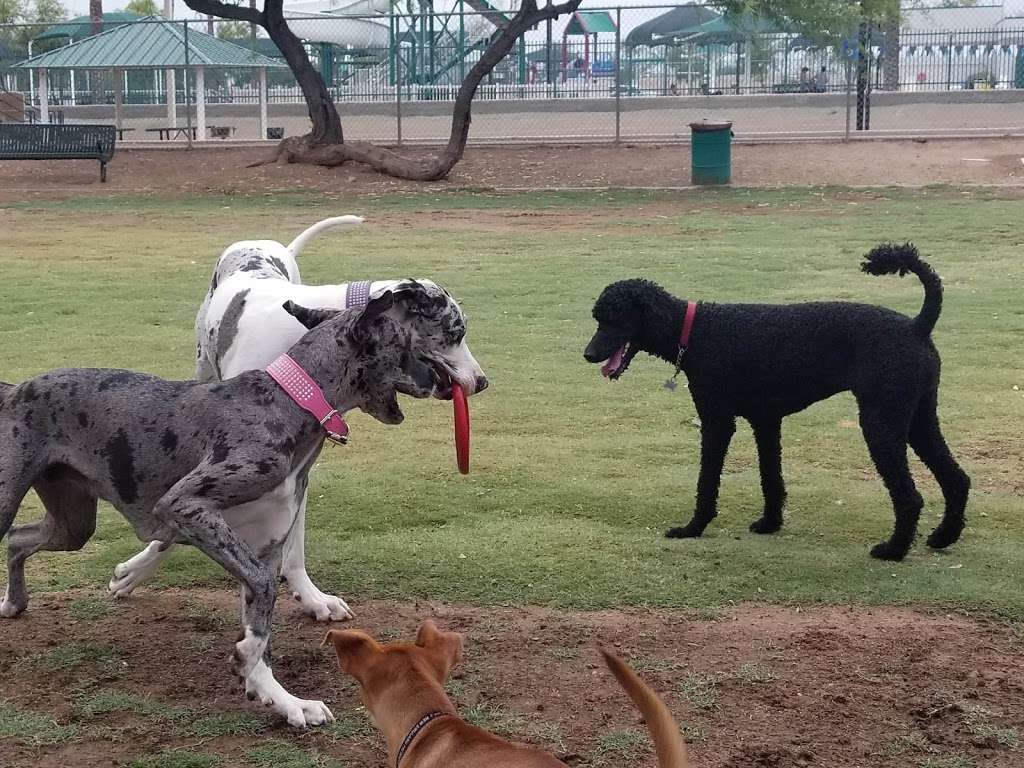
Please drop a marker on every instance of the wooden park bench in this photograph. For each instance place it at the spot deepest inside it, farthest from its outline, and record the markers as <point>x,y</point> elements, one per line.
<point>21,141</point>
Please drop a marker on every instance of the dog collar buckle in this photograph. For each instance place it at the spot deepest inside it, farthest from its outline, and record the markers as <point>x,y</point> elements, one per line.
<point>307,394</point>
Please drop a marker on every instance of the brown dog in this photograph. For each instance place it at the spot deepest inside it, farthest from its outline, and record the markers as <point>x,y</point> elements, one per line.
<point>402,687</point>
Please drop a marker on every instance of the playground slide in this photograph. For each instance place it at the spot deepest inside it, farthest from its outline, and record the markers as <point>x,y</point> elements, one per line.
<point>329,23</point>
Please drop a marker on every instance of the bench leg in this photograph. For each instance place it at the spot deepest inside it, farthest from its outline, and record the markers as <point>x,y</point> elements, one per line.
<point>103,172</point>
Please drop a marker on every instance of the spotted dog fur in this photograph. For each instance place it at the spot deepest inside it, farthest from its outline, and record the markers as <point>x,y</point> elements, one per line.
<point>221,466</point>
<point>241,326</point>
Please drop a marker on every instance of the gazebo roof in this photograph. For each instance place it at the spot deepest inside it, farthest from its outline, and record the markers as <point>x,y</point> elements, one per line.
<point>589,23</point>
<point>81,27</point>
<point>726,29</point>
<point>149,43</point>
<point>669,23</point>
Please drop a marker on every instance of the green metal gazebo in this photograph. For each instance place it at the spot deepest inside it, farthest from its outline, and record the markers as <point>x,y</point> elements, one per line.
<point>153,43</point>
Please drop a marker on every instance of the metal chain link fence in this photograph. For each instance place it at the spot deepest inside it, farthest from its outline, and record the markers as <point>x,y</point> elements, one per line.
<point>615,74</point>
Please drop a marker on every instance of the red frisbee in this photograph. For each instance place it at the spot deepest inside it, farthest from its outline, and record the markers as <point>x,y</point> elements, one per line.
<point>461,427</point>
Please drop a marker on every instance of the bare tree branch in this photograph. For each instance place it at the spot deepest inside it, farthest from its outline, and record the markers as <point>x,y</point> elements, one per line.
<point>226,10</point>
<point>325,145</point>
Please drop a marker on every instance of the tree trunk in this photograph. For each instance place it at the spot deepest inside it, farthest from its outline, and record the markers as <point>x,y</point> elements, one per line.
<point>95,16</point>
<point>325,144</point>
<point>96,76</point>
<point>326,123</point>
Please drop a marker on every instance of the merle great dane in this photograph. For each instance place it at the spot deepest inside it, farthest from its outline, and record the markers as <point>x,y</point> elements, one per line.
<point>242,326</point>
<point>221,466</point>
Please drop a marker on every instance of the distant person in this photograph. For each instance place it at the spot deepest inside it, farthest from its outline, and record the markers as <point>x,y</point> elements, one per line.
<point>805,79</point>
<point>673,89</point>
<point>821,81</point>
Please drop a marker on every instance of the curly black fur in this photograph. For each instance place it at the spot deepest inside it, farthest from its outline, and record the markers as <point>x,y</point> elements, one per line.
<point>762,362</point>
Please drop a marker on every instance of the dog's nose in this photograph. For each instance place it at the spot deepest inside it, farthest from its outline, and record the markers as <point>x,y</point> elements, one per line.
<point>481,383</point>
<point>590,356</point>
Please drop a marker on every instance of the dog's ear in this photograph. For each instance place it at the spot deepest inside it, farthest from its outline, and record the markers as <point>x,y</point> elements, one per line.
<point>377,306</point>
<point>444,648</point>
<point>355,650</point>
<point>310,318</point>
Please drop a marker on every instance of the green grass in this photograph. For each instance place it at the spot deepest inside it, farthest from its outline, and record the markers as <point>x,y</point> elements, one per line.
<point>32,728</point>
<point>980,723</point>
<point>574,479</point>
<point>93,608</point>
<point>176,758</point>
<point>64,658</point>
<point>755,673</point>
<point>620,748</point>
<point>281,754</point>
<point>700,690</point>
<point>956,760</point>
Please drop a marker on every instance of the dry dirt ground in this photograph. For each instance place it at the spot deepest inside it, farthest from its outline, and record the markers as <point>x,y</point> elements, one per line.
<point>221,170</point>
<point>756,687</point>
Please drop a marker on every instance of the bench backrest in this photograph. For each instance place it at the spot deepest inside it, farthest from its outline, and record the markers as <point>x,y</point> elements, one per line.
<point>45,141</point>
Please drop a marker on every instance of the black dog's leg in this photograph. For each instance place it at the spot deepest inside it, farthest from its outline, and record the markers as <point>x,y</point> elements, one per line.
<point>927,441</point>
<point>715,436</point>
<point>768,434</point>
<point>886,435</point>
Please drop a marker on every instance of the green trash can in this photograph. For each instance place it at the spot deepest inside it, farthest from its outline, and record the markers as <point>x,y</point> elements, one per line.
<point>711,152</point>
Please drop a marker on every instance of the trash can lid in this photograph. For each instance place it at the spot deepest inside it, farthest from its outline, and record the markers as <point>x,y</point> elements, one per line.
<point>703,126</point>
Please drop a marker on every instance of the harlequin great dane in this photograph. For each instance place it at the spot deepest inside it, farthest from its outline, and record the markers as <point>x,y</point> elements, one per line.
<point>221,466</point>
<point>242,326</point>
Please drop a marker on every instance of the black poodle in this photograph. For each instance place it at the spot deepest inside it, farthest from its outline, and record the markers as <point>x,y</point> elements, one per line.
<point>765,361</point>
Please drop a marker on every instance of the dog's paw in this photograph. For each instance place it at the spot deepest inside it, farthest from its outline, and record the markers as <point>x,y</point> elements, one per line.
<point>765,525</point>
<point>136,570</point>
<point>10,608</point>
<point>888,551</point>
<point>686,532</point>
<point>302,713</point>
<point>944,536</point>
<point>318,605</point>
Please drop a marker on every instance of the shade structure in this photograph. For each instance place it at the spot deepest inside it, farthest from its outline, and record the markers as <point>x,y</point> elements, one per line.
<point>152,43</point>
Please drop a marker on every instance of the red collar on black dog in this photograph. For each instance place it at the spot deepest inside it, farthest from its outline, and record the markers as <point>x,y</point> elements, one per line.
<point>684,342</point>
<point>684,337</point>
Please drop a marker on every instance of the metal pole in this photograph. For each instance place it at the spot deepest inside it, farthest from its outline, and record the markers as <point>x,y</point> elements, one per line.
<point>548,66</point>
<point>849,99</point>
<point>188,100</point>
<point>618,74</point>
<point>398,92</point>
<point>462,41</point>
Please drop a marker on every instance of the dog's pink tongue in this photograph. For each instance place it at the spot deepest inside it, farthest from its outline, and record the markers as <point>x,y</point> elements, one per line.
<point>613,362</point>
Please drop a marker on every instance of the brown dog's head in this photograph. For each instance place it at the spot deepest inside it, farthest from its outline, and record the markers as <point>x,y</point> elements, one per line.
<point>379,668</point>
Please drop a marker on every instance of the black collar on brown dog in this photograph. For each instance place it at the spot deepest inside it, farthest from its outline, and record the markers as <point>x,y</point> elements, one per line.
<point>423,722</point>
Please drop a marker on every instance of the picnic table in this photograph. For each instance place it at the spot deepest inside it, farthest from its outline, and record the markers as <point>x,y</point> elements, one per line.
<point>169,132</point>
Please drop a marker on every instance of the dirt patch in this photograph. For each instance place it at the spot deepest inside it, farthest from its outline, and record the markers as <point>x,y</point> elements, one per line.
<point>220,170</point>
<point>759,686</point>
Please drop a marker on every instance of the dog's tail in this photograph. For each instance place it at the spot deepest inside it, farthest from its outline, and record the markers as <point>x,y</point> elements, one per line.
<point>890,258</point>
<point>668,741</point>
<point>300,242</point>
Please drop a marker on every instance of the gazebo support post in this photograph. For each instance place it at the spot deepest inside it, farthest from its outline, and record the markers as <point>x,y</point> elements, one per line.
<point>172,98</point>
<point>262,71</point>
<point>118,98</point>
<point>200,103</point>
<point>44,96</point>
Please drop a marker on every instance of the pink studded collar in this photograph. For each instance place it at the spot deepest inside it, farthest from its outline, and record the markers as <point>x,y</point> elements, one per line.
<point>308,395</point>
